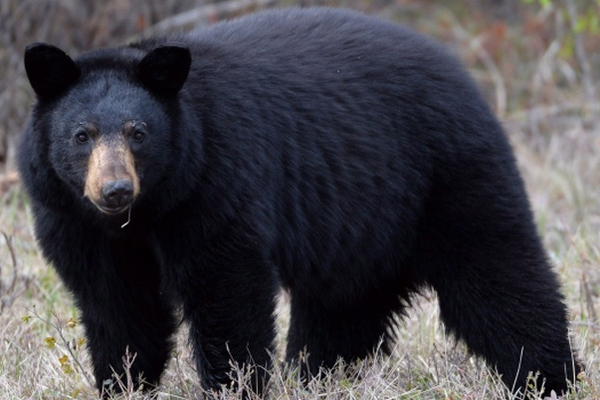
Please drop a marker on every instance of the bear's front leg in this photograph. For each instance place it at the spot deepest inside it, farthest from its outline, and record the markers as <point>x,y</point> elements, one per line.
<point>117,289</point>
<point>228,293</point>
<point>129,318</point>
<point>233,322</point>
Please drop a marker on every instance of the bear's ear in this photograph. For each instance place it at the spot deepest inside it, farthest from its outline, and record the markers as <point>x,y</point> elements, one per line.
<point>165,69</point>
<point>49,69</point>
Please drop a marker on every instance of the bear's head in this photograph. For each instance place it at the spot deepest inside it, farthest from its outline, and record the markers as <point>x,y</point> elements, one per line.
<point>107,117</point>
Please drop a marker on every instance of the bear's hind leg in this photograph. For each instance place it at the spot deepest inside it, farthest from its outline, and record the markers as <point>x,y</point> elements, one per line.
<point>350,329</point>
<point>500,296</point>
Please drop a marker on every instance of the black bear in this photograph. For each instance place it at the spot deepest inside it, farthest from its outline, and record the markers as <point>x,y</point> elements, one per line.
<point>345,159</point>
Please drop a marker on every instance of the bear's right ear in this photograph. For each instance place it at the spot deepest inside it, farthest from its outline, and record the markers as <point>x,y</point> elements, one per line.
<point>49,69</point>
<point>165,69</point>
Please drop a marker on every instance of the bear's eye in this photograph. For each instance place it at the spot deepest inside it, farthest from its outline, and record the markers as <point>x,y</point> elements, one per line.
<point>82,136</point>
<point>138,135</point>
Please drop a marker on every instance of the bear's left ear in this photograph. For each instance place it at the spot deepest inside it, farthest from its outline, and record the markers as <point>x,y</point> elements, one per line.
<point>49,69</point>
<point>165,69</point>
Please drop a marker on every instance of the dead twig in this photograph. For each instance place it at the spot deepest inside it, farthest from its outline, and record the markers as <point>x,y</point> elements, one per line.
<point>8,292</point>
<point>587,296</point>
<point>476,45</point>
<point>7,181</point>
<point>59,327</point>
<point>586,70</point>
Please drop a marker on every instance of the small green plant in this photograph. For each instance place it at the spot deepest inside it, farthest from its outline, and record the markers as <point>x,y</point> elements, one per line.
<point>68,344</point>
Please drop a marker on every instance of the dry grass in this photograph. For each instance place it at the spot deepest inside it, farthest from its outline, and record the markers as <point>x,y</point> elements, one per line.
<point>553,126</point>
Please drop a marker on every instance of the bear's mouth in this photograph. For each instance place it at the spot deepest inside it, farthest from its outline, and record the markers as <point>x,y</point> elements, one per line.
<point>112,210</point>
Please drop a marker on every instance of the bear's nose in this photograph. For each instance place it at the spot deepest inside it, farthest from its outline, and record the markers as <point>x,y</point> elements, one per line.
<point>117,194</point>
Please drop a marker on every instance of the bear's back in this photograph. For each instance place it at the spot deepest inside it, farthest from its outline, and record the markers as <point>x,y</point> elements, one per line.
<point>300,46</point>
<point>332,116</point>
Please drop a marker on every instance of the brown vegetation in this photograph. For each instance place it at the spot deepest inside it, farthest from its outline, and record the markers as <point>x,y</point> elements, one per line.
<point>537,65</point>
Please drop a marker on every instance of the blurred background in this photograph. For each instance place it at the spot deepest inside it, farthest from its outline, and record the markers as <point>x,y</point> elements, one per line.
<point>538,64</point>
<point>525,53</point>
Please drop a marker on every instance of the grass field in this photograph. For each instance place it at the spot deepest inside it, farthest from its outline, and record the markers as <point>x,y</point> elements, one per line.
<point>554,126</point>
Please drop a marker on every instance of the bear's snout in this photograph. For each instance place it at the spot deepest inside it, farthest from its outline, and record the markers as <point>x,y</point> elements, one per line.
<point>112,183</point>
<point>117,194</point>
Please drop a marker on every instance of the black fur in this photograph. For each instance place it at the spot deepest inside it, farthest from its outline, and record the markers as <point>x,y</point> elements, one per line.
<point>346,159</point>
